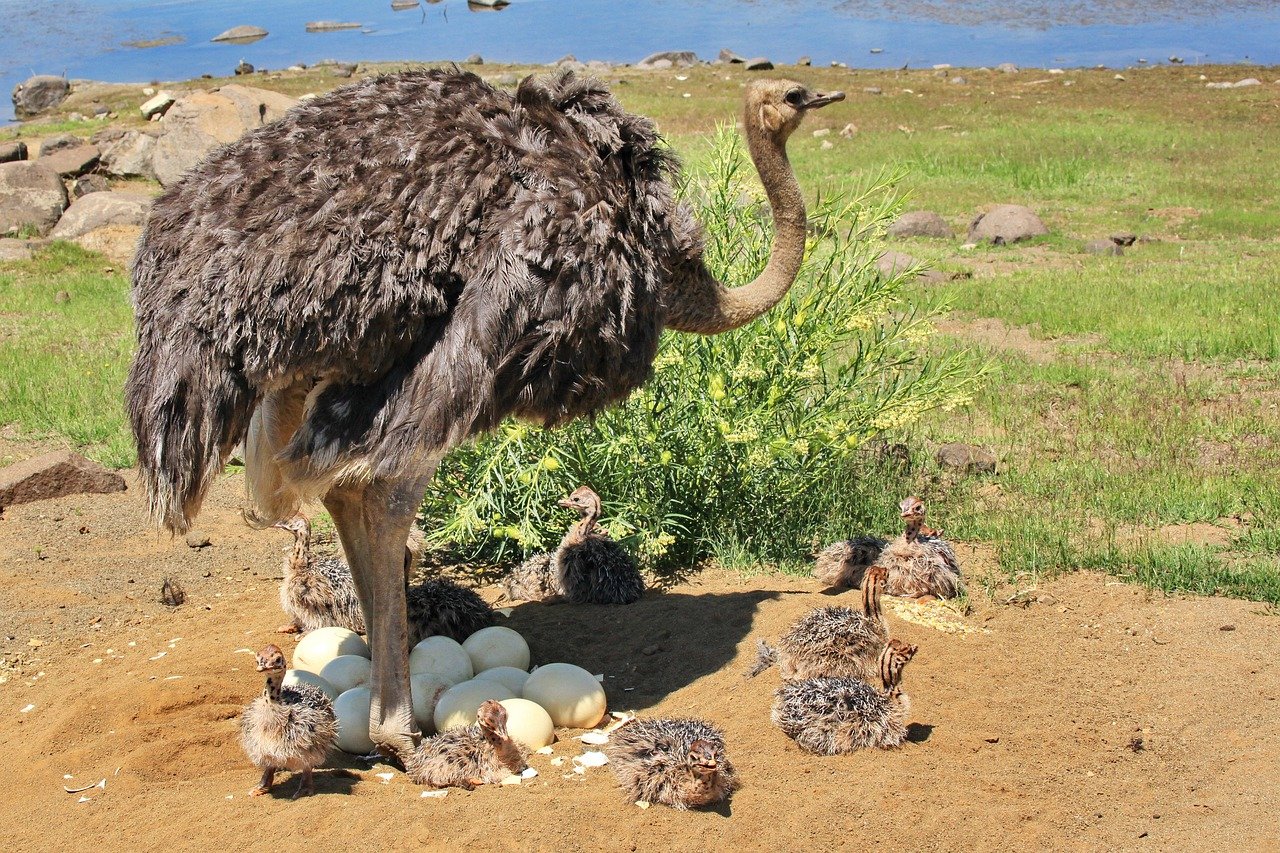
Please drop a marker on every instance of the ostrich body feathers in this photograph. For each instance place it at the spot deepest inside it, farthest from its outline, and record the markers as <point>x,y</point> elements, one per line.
<point>650,759</point>
<point>294,733</point>
<point>832,716</point>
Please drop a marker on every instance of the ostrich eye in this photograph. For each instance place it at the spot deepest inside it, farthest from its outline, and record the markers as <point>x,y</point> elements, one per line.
<point>795,97</point>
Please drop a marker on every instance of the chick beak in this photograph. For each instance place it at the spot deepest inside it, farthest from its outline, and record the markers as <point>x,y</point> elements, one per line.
<point>821,99</point>
<point>567,503</point>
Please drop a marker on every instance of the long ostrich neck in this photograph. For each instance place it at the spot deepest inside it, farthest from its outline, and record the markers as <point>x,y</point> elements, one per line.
<point>299,558</point>
<point>505,750</point>
<point>275,678</point>
<point>705,305</point>
<point>871,587</point>
<point>588,522</point>
<point>912,531</point>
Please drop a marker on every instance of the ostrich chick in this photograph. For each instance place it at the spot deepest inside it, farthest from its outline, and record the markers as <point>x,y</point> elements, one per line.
<point>479,754</point>
<point>589,566</point>
<point>844,563</point>
<point>286,728</point>
<point>921,564</point>
<point>833,716</point>
<point>534,580</point>
<point>837,641</point>
<point>679,763</point>
<point>320,591</point>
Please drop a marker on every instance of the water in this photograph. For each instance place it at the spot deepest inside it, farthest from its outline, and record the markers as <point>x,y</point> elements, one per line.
<point>88,39</point>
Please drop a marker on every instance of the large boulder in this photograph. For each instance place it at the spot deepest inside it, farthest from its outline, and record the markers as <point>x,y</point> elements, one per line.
<point>677,58</point>
<point>127,153</point>
<point>201,121</point>
<point>98,210</point>
<point>243,34</point>
<point>1006,223</point>
<point>55,475</point>
<point>30,196</point>
<point>69,162</point>
<point>37,94</point>
<point>920,223</point>
<point>966,458</point>
<point>12,152</point>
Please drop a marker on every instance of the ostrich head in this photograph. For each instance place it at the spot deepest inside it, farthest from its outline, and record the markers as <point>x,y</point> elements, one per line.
<point>912,509</point>
<point>299,526</point>
<point>584,500</point>
<point>271,660</point>
<point>492,719</point>
<point>893,659</point>
<point>702,760</point>
<point>778,106</point>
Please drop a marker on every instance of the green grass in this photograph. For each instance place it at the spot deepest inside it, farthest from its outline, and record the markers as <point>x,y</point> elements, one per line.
<point>62,365</point>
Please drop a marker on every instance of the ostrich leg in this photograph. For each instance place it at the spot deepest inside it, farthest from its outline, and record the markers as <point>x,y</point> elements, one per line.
<point>373,521</point>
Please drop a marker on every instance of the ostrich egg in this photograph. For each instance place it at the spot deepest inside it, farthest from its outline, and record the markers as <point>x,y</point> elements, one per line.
<point>458,705</point>
<point>352,710</point>
<point>322,645</point>
<point>497,646</point>
<point>347,671</point>
<point>508,676</point>
<point>569,693</point>
<point>427,689</point>
<point>443,657</point>
<point>528,723</point>
<point>300,676</point>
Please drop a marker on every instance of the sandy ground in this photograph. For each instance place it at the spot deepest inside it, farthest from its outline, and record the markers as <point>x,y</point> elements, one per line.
<point>1099,717</point>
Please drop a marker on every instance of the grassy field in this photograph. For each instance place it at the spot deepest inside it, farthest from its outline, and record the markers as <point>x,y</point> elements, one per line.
<point>1132,402</point>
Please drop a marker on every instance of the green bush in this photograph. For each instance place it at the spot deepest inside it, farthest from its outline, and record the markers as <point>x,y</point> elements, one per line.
<point>746,446</point>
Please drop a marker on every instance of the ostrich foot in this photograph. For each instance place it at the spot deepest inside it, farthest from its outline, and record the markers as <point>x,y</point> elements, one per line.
<point>396,747</point>
<point>291,628</point>
<point>264,787</point>
<point>470,784</point>
<point>306,786</point>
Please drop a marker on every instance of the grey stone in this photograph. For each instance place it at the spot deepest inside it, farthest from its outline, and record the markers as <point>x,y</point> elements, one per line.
<point>12,152</point>
<point>14,250</point>
<point>804,61</point>
<point>759,63</point>
<point>243,34</point>
<point>127,153</point>
<point>677,58</point>
<point>506,80</point>
<point>196,539</point>
<point>55,475</point>
<point>401,5</point>
<point>1006,223</point>
<point>1007,68</point>
<point>197,123</point>
<point>566,59</point>
<point>473,59</point>
<point>334,26</point>
<point>873,90</point>
<point>966,458</point>
<point>658,65</point>
<point>61,142</point>
<point>958,81</point>
<point>37,94</point>
<point>849,130</point>
<point>1102,247</point>
<point>98,210</point>
<point>69,162</point>
<point>921,223</point>
<point>62,297</point>
<point>31,195</point>
<point>822,131</point>
<point>86,184</point>
<point>243,68</point>
<point>891,263</point>
<point>729,56</point>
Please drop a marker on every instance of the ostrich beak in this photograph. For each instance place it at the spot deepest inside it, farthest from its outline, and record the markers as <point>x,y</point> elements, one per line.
<point>566,503</point>
<point>821,99</point>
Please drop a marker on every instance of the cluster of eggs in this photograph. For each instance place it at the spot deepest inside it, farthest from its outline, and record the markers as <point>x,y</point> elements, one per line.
<point>450,681</point>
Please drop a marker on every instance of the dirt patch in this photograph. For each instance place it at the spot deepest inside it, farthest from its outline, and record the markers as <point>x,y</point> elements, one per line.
<point>998,335</point>
<point>1100,716</point>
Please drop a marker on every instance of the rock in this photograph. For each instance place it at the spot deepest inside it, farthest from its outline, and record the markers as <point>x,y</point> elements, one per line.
<point>489,4</point>
<point>729,56</point>
<point>200,121</point>
<point>127,153</point>
<point>243,34</point>
<point>891,263</point>
<point>1248,81</point>
<point>86,184</point>
<point>506,80</point>
<point>12,152</point>
<point>99,110</point>
<point>61,142</point>
<point>1102,247</point>
<point>473,59</point>
<point>958,81</point>
<point>677,58</point>
<point>69,162</point>
<point>55,475</point>
<point>243,68</point>
<point>921,223</point>
<point>658,65</point>
<point>99,210</point>
<point>827,145</point>
<point>195,539</point>
<point>567,59</point>
<point>822,131</point>
<point>117,242</point>
<point>1124,238</point>
<point>37,94</point>
<point>401,5</point>
<point>760,63</point>
<point>873,90</point>
<point>14,250</point>
<point>1007,68</point>
<point>31,195</point>
<point>849,130</point>
<point>334,26</point>
<point>804,62</point>
<point>966,458</point>
<point>877,50</point>
<point>1176,60</point>
<point>1006,223</point>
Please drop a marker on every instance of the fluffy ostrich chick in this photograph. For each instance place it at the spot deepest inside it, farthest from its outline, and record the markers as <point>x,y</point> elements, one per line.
<point>677,762</point>
<point>466,757</point>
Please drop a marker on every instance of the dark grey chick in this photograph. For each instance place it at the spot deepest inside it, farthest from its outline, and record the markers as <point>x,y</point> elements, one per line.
<point>589,566</point>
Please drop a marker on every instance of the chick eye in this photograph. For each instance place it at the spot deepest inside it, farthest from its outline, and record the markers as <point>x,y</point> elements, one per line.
<point>795,97</point>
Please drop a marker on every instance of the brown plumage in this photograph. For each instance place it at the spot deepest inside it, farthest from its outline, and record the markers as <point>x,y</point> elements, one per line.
<point>920,563</point>
<point>398,265</point>
<point>464,757</point>
<point>836,640</point>
<point>320,591</point>
<point>844,563</point>
<point>534,580</point>
<point>833,716</point>
<point>677,762</point>
<point>286,728</point>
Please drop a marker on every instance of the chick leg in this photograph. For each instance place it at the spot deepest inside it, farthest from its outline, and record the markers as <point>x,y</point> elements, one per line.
<point>268,776</point>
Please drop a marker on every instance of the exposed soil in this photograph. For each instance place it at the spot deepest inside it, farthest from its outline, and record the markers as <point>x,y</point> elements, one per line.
<point>1101,716</point>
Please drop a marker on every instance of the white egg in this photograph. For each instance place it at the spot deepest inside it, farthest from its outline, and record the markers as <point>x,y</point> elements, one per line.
<point>427,689</point>
<point>352,710</point>
<point>569,693</point>
<point>443,657</point>
<point>497,646</point>
<point>528,723</point>
<point>322,645</point>
<point>508,676</point>
<point>301,676</point>
<point>458,704</point>
<point>347,671</point>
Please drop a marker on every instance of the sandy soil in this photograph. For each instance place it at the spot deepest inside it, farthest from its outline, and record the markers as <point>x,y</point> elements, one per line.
<point>1098,717</point>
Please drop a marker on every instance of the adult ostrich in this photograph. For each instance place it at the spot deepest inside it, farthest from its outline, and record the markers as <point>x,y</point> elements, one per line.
<point>398,265</point>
